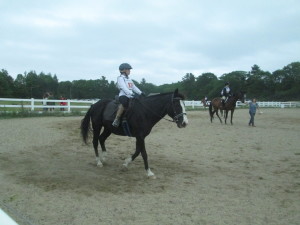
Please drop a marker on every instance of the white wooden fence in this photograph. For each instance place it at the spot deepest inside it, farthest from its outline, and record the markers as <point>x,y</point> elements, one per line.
<point>36,104</point>
<point>195,104</point>
<point>39,104</point>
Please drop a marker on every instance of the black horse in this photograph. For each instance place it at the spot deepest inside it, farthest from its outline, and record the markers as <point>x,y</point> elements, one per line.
<point>141,116</point>
<point>216,104</point>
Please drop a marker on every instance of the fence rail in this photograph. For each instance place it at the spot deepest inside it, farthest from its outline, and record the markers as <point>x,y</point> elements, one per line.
<point>195,104</point>
<point>38,104</point>
<point>42,104</point>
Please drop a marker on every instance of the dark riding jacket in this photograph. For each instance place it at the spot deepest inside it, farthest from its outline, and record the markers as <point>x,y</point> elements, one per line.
<point>226,92</point>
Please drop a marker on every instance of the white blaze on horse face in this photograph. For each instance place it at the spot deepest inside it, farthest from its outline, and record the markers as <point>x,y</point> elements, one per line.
<point>185,119</point>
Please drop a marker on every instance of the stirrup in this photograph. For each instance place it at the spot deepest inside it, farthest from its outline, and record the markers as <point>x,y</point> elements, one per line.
<point>116,122</point>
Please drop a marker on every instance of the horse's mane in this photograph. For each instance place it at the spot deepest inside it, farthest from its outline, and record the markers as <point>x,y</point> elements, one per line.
<point>155,95</point>
<point>238,93</point>
<point>163,98</point>
<point>164,94</point>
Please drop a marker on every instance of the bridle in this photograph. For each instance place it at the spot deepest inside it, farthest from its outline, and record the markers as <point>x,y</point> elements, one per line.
<point>177,116</point>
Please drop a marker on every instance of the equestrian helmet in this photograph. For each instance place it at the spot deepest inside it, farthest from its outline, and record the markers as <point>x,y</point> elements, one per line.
<point>227,83</point>
<point>125,66</point>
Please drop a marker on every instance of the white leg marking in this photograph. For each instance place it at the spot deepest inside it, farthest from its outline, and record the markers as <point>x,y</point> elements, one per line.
<point>98,161</point>
<point>103,156</point>
<point>150,174</point>
<point>127,161</point>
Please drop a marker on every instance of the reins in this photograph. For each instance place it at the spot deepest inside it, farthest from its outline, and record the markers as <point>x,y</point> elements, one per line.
<point>154,113</point>
<point>233,99</point>
<point>175,118</point>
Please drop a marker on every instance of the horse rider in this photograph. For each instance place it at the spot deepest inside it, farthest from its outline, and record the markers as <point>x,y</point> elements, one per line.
<point>205,100</point>
<point>225,93</point>
<point>127,90</point>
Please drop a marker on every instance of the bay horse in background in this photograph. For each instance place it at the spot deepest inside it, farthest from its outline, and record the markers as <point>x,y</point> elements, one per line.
<point>141,116</point>
<point>216,105</point>
<point>204,102</point>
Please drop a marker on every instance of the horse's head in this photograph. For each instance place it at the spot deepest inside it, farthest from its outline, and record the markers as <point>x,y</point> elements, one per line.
<point>177,110</point>
<point>241,96</point>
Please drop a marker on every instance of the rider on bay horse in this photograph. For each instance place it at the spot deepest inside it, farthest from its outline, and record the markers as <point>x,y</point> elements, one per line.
<point>225,94</point>
<point>127,90</point>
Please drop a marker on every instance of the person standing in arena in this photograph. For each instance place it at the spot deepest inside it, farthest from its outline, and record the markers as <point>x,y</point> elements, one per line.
<point>252,110</point>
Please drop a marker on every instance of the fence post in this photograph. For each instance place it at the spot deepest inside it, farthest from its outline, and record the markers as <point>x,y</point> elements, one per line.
<point>69,105</point>
<point>32,104</point>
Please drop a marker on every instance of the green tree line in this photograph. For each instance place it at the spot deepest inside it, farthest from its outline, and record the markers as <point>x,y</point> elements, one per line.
<point>281,85</point>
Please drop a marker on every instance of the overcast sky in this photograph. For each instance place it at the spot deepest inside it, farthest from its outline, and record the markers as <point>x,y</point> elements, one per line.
<point>161,39</point>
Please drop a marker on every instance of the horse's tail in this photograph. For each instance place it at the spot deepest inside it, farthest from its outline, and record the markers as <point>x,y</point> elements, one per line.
<point>85,125</point>
<point>210,110</point>
<point>96,113</point>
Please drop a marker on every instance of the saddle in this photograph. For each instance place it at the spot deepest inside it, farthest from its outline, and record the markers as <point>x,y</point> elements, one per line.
<point>110,114</point>
<point>112,108</point>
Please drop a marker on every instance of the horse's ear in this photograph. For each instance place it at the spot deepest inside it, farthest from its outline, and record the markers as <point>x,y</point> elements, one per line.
<point>177,95</point>
<point>176,92</point>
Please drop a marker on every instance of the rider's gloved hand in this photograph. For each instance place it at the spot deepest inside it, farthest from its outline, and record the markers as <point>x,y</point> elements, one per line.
<point>143,94</point>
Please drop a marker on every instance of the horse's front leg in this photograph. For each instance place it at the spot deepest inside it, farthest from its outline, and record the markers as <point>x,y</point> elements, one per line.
<point>218,115</point>
<point>141,144</point>
<point>140,148</point>
<point>231,116</point>
<point>212,116</point>
<point>131,158</point>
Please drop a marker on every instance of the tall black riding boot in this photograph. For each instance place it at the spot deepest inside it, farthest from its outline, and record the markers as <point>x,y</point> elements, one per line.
<point>116,122</point>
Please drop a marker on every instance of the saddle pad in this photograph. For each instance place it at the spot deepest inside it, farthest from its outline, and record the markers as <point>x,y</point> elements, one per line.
<point>110,111</point>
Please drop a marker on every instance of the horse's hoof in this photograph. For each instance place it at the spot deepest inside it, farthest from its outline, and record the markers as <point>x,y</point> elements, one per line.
<point>124,167</point>
<point>104,157</point>
<point>153,177</point>
<point>99,165</point>
<point>150,174</point>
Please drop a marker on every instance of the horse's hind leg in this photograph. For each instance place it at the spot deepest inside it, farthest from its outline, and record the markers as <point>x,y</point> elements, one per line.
<point>104,135</point>
<point>226,116</point>
<point>96,133</point>
<point>231,116</point>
